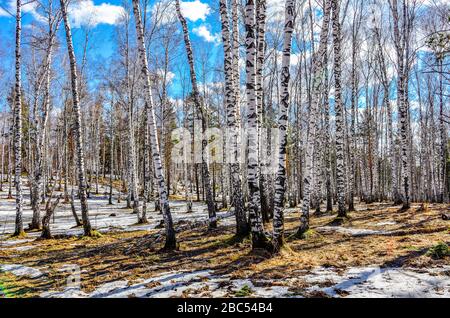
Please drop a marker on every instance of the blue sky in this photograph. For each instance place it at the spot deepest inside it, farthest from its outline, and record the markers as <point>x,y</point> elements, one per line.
<point>203,21</point>
<point>102,16</point>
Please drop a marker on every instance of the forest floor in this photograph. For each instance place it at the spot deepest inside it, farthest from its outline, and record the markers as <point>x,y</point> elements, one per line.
<point>378,252</point>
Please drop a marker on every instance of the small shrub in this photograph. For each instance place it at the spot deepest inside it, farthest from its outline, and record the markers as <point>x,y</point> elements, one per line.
<point>94,235</point>
<point>439,251</point>
<point>339,220</point>
<point>244,292</point>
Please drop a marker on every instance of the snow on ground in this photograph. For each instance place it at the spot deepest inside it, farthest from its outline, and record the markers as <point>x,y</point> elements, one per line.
<point>373,282</point>
<point>20,270</point>
<point>176,284</point>
<point>100,216</point>
<point>23,248</point>
<point>9,243</point>
<point>350,231</point>
<point>355,282</point>
<point>351,282</point>
<point>385,223</point>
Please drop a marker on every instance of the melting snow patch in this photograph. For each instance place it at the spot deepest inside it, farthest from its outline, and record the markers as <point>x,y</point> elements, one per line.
<point>20,270</point>
<point>8,243</point>
<point>386,223</point>
<point>176,284</point>
<point>352,282</point>
<point>350,231</point>
<point>66,293</point>
<point>23,248</point>
<point>101,218</point>
<point>372,282</point>
<point>109,288</point>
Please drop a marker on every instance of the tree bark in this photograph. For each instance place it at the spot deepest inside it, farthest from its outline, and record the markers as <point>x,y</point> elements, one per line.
<point>254,206</point>
<point>50,209</point>
<point>170,243</point>
<point>233,129</point>
<point>203,116</point>
<point>77,124</point>
<point>260,57</point>
<point>280,182</point>
<point>18,125</point>
<point>317,70</point>
<point>340,125</point>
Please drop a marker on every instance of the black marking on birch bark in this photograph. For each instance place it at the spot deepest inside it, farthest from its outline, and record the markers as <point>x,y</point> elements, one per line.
<point>230,102</point>
<point>340,162</point>
<point>77,123</point>
<point>280,182</point>
<point>203,116</point>
<point>159,175</point>
<point>317,70</point>
<point>18,124</point>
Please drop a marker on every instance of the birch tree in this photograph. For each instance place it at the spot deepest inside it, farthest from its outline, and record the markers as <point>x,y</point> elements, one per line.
<point>170,243</point>
<point>259,239</point>
<point>280,183</point>
<point>400,43</point>
<point>317,70</point>
<point>77,123</point>
<point>261,8</point>
<point>338,108</point>
<point>391,135</point>
<point>357,18</point>
<point>232,123</point>
<point>41,117</point>
<point>18,124</point>
<point>203,117</point>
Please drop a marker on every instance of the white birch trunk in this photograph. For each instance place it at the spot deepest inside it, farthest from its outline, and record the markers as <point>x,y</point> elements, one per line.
<point>77,124</point>
<point>339,110</point>
<point>254,204</point>
<point>203,116</point>
<point>317,70</point>
<point>280,182</point>
<point>163,197</point>
<point>233,128</point>
<point>18,125</point>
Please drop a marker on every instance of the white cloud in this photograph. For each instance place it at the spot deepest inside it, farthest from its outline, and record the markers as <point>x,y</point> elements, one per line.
<point>3,13</point>
<point>29,7</point>
<point>195,10</point>
<point>81,12</point>
<point>86,13</point>
<point>202,31</point>
<point>164,11</point>
<point>169,76</point>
